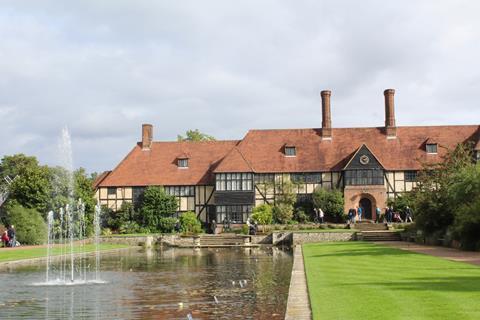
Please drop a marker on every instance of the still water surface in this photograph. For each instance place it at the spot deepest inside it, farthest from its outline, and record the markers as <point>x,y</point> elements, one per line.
<point>159,284</point>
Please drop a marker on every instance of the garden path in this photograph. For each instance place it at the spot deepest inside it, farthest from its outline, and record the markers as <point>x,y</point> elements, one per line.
<point>471,257</point>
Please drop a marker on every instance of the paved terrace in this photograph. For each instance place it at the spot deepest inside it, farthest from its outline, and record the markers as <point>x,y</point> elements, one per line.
<point>442,252</point>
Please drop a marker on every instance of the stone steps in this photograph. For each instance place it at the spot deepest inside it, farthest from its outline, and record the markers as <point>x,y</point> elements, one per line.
<point>221,240</point>
<point>370,226</point>
<point>380,236</point>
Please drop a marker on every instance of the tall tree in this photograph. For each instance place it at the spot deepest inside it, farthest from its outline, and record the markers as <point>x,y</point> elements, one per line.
<point>195,135</point>
<point>156,204</point>
<point>31,187</point>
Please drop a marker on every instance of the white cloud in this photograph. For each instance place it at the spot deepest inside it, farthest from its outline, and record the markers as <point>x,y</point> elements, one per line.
<point>104,67</point>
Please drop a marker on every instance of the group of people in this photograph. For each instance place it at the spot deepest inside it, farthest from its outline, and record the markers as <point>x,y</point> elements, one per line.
<point>355,214</point>
<point>8,237</point>
<point>389,215</point>
<point>394,216</point>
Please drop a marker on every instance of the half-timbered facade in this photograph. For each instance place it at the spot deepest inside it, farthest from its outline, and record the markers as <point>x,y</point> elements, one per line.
<point>226,179</point>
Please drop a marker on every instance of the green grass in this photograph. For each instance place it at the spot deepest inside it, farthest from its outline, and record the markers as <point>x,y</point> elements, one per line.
<point>358,280</point>
<point>133,235</point>
<point>9,254</point>
<point>324,230</point>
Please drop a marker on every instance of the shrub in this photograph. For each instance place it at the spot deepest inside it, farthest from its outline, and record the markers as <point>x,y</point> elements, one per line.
<point>263,215</point>
<point>156,204</point>
<point>300,215</point>
<point>330,201</point>
<point>245,229</point>
<point>167,224</point>
<point>29,225</point>
<point>129,227</point>
<point>106,232</point>
<point>189,223</point>
<point>282,212</point>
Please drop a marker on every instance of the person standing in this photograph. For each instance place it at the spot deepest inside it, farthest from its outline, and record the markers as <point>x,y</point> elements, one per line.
<point>408,214</point>
<point>378,214</point>
<point>360,212</point>
<point>11,236</point>
<point>214,226</point>
<point>321,214</point>
<point>5,238</point>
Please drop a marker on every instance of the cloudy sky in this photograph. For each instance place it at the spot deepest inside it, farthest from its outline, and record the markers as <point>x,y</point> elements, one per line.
<point>103,68</point>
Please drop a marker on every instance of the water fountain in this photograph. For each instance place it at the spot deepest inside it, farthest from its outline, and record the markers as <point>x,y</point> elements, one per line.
<point>67,234</point>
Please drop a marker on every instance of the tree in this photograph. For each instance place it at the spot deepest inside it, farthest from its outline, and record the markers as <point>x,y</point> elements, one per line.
<point>263,215</point>
<point>32,188</point>
<point>431,199</point>
<point>330,201</point>
<point>195,135</point>
<point>465,199</point>
<point>14,165</point>
<point>156,204</point>
<point>189,223</point>
<point>284,201</point>
<point>29,225</point>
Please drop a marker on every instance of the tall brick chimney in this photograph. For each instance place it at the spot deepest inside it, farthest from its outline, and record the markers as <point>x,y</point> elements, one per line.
<point>147,136</point>
<point>390,128</point>
<point>326,115</point>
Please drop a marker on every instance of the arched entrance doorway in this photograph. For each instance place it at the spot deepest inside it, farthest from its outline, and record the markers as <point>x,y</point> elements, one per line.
<point>366,204</point>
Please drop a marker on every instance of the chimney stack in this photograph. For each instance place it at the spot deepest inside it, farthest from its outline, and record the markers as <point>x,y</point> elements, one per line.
<point>147,136</point>
<point>326,115</point>
<point>390,127</point>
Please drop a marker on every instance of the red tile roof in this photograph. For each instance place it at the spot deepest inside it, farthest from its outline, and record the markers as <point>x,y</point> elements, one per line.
<point>158,166</point>
<point>262,151</point>
<point>264,148</point>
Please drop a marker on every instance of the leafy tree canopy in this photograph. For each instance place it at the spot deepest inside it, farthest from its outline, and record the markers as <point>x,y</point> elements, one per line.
<point>330,201</point>
<point>195,135</point>
<point>157,204</point>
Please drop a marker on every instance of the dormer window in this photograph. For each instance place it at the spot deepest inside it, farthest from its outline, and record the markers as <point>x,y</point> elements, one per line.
<point>290,151</point>
<point>182,163</point>
<point>431,148</point>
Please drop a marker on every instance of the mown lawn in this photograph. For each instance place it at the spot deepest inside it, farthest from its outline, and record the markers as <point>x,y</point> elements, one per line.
<point>358,280</point>
<point>11,254</point>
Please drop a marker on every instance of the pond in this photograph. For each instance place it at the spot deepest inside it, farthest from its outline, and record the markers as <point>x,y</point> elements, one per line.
<point>223,283</point>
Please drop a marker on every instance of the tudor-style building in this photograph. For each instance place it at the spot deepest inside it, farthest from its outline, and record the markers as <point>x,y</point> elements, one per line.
<point>226,179</point>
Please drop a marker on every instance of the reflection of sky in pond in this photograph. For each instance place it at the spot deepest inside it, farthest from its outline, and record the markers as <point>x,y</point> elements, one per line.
<point>170,284</point>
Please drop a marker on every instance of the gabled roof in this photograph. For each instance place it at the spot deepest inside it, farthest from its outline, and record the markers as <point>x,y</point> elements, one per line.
<point>100,178</point>
<point>234,162</point>
<point>364,150</point>
<point>263,148</point>
<point>158,166</point>
<point>262,151</point>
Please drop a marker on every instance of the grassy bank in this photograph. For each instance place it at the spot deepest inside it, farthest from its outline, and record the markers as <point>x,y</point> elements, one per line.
<point>11,254</point>
<point>357,280</point>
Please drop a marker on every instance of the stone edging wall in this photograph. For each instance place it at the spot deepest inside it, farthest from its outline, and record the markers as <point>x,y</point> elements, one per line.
<point>298,303</point>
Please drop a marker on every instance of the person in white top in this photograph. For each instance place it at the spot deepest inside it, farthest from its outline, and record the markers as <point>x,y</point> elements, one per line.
<point>321,214</point>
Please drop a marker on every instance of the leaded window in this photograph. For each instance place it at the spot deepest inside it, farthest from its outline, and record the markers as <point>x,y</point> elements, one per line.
<point>234,181</point>
<point>290,151</point>
<point>233,213</point>
<point>264,178</point>
<point>183,163</point>
<point>410,176</point>
<point>137,194</point>
<point>431,148</point>
<point>364,177</point>
<point>180,191</point>
<point>306,177</point>
<point>111,191</point>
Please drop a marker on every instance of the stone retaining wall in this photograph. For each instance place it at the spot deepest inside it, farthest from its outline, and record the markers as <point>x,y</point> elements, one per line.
<point>276,238</point>
<point>309,237</point>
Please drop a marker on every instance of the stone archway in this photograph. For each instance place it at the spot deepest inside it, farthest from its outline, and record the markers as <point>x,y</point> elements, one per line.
<point>366,205</point>
<point>376,195</point>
